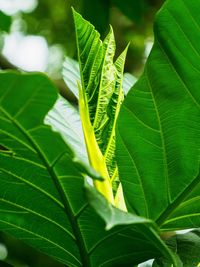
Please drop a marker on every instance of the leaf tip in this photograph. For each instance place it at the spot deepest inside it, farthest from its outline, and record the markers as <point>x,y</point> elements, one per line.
<point>73,10</point>
<point>76,15</point>
<point>108,226</point>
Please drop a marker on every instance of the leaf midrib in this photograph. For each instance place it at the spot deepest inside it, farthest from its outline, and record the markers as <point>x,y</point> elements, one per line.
<point>171,208</point>
<point>173,205</point>
<point>182,217</point>
<point>164,151</point>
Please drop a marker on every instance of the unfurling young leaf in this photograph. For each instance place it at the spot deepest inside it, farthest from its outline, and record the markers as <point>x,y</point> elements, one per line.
<point>100,98</point>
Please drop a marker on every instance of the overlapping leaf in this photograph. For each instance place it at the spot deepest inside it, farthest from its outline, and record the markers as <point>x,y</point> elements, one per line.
<point>42,199</point>
<point>65,119</point>
<point>71,75</point>
<point>158,130</point>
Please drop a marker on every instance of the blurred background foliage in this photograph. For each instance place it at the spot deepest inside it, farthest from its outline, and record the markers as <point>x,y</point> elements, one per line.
<point>36,35</point>
<point>131,20</point>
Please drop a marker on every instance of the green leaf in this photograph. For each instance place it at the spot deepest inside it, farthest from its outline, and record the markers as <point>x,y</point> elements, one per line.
<point>42,196</point>
<point>101,90</point>
<point>158,130</point>
<point>187,246</point>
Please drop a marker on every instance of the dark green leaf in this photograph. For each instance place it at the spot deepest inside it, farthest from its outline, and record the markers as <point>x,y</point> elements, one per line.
<point>159,130</point>
<point>42,196</point>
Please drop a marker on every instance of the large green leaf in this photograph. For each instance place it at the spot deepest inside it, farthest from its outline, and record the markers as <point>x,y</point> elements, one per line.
<point>42,196</point>
<point>159,130</point>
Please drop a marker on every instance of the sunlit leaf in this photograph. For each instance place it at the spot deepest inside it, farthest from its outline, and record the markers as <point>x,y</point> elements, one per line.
<point>159,130</point>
